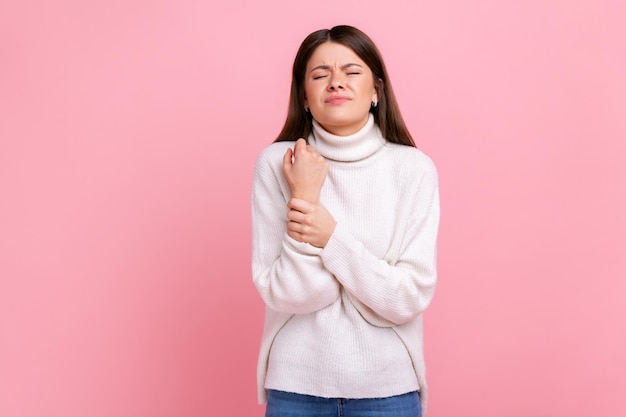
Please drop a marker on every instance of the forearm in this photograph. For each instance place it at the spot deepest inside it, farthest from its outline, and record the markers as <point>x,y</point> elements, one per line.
<point>296,281</point>
<point>393,294</point>
<point>288,274</point>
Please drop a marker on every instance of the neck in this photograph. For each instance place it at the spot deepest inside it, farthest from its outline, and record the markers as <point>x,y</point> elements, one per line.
<point>344,130</point>
<point>356,146</point>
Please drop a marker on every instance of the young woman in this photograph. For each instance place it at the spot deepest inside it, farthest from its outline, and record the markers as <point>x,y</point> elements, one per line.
<point>345,216</point>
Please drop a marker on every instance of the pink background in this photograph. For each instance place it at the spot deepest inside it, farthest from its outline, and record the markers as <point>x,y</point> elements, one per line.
<point>128,135</point>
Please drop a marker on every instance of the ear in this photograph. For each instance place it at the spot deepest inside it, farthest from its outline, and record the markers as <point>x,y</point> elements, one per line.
<point>377,85</point>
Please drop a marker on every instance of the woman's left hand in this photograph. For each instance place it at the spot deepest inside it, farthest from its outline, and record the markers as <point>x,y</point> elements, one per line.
<point>309,223</point>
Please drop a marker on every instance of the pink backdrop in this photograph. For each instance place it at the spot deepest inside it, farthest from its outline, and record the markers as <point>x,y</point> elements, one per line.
<point>128,133</point>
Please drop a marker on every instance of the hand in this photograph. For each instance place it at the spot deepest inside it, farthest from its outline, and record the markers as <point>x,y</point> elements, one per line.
<point>309,223</point>
<point>307,173</point>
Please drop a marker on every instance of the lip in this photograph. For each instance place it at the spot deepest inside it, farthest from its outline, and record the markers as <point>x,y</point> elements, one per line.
<point>337,100</point>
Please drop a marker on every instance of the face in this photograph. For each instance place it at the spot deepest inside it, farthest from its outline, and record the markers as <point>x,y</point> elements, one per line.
<point>339,89</point>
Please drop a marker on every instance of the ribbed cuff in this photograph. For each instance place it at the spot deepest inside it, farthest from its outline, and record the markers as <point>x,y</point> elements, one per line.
<point>301,247</point>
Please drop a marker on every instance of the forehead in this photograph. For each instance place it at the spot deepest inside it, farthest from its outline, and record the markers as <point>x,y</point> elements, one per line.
<point>332,53</point>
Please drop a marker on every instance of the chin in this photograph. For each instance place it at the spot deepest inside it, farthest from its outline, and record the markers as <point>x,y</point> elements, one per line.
<point>338,120</point>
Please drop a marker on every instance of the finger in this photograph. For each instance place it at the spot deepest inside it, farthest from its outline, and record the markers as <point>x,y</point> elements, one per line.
<point>288,155</point>
<point>300,205</point>
<point>300,146</point>
<point>287,162</point>
<point>295,235</point>
<point>297,229</point>
<point>297,217</point>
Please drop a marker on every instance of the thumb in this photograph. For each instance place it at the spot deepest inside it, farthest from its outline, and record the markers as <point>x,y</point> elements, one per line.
<point>300,144</point>
<point>287,160</point>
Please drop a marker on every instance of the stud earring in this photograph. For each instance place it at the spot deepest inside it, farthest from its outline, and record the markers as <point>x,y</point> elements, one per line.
<point>374,103</point>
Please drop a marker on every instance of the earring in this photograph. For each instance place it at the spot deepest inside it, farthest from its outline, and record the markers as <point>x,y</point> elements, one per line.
<point>374,103</point>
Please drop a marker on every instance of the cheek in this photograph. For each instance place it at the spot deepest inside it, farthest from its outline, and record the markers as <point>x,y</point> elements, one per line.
<point>309,93</point>
<point>365,88</point>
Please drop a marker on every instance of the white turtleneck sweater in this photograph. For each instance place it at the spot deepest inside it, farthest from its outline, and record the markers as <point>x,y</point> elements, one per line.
<point>345,321</point>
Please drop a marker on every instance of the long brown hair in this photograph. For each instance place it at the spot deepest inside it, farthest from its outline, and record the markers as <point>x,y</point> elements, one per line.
<point>386,114</point>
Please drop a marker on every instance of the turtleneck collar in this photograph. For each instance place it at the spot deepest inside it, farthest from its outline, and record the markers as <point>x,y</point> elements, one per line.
<point>353,147</point>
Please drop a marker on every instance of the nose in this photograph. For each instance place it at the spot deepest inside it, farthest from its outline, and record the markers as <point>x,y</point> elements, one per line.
<point>336,82</point>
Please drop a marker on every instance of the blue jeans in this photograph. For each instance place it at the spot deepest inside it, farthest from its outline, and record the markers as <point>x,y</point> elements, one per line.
<point>287,404</point>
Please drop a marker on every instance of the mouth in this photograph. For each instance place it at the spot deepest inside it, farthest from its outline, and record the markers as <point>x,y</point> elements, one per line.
<point>337,100</point>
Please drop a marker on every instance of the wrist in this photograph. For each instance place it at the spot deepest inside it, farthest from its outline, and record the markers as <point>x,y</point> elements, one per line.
<point>308,197</point>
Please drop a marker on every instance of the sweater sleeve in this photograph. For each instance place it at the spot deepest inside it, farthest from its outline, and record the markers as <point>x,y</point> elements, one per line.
<point>288,274</point>
<point>392,294</point>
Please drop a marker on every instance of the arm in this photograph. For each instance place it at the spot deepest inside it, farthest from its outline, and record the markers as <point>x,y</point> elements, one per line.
<point>385,294</point>
<point>288,274</point>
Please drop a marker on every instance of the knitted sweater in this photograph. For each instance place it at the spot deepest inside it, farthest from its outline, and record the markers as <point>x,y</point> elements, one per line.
<point>346,321</point>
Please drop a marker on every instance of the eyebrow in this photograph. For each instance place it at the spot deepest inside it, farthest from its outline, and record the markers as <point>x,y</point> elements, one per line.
<point>327,67</point>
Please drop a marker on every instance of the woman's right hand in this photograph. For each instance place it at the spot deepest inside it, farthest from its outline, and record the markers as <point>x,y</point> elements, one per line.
<point>305,171</point>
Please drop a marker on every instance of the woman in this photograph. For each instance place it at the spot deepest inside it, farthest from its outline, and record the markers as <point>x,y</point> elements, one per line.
<point>344,241</point>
